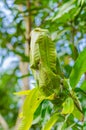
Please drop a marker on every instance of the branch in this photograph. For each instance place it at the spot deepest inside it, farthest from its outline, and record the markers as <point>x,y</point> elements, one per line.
<point>24,65</point>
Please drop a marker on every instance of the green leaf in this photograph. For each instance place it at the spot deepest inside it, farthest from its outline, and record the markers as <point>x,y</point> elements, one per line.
<point>62,125</point>
<point>78,69</point>
<point>77,114</point>
<point>43,58</point>
<point>83,85</point>
<point>57,34</point>
<point>51,122</point>
<point>64,9</point>
<point>34,51</point>
<point>31,103</point>
<point>81,2</point>
<point>42,49</point>
<point>68,106</point>
<point>23,93</point>
<point>69,127</point>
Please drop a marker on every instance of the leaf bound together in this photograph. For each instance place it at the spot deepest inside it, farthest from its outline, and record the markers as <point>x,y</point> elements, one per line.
<point>43,60</point>
<point>42,49</point>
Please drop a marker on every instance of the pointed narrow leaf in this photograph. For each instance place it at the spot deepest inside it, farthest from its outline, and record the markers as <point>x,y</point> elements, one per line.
<point>78,69</point>
<point>51,122</point>
<point>31,103</point>
<point>69,127</point>
<point>63,124</point>
<point>64,9</point>
<point>22,93</point>
<point>77,114</point>
<point>81,2</point>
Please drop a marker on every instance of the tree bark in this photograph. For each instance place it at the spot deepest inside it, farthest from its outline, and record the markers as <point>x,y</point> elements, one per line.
<point>24,65</point>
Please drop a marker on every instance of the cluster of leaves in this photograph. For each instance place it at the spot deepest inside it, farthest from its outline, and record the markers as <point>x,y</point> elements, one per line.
<point>67,104</point>
<point>63,17</point>
<point>65,20</point>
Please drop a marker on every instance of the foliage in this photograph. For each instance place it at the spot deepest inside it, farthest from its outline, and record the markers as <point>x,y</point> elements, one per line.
<point>78,69</point>
<point>65,22</point>
<point>70,103</point>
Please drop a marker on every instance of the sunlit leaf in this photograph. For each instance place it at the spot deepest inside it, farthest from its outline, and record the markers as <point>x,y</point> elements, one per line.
<point>64,10</point>
<point>62,125</point>
<point>51,122</point>
<point>68,106</point>
<point>22,93</point>
<point>21,115</point>
<point>78,69</point>
<point>77,114</point>
<point>31,103</point>
<point>81,2</point>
